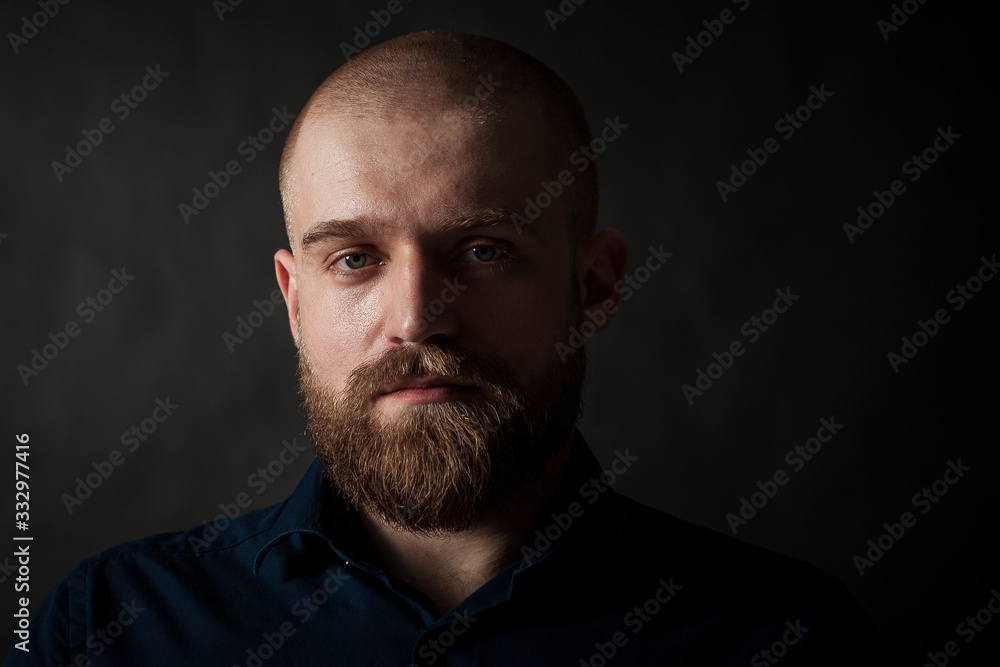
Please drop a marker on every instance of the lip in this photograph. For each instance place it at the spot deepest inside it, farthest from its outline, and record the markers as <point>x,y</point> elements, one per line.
<point>426,382</point>
<point>417,385</point>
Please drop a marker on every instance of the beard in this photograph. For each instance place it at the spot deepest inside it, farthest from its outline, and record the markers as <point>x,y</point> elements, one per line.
<point>439,467</point>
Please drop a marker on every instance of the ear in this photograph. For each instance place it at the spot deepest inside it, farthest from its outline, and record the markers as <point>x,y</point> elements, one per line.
<point>601,264</point>
<point>284,268</point>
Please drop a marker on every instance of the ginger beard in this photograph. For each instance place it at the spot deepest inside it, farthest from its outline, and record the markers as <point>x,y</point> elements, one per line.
<point>439,467</point>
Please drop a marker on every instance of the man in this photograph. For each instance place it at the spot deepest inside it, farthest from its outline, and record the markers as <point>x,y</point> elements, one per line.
<point>454,515</point>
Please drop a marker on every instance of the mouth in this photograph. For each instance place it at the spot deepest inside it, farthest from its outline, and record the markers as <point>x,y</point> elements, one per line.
<point>427,389</point>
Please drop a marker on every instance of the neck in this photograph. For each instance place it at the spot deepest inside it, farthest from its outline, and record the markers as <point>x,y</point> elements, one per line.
<point>448,568</point>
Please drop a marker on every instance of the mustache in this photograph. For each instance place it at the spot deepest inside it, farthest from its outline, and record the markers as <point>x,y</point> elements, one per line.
<point>407,361</point>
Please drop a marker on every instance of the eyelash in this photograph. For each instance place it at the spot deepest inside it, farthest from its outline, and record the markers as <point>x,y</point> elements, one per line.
<point>505,260</point>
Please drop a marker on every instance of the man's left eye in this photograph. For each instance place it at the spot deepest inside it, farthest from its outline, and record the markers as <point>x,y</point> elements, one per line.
<point>484,253</point>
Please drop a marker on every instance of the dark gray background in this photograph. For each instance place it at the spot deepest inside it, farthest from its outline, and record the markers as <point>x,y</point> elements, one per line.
<point>162,336</point>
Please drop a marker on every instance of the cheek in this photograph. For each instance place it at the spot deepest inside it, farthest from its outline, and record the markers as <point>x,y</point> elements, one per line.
<point>524,324</point>
<point>337,330</point>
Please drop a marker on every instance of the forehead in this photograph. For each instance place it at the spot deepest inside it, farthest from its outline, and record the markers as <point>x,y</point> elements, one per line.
<point>420,167</point>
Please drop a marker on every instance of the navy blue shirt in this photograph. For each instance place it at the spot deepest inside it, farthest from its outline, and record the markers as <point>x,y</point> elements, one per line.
<point>603,581</point>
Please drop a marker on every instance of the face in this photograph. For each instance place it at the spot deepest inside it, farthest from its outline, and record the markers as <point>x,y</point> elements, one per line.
<point>426,320</point>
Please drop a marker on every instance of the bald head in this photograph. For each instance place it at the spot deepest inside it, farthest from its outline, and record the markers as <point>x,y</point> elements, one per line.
<point>465,80</point>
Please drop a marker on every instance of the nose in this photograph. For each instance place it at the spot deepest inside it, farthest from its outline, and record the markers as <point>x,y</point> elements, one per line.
<point>419,300</point>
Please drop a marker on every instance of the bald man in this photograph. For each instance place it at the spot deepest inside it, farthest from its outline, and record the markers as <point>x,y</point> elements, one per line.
<point>454,515</point>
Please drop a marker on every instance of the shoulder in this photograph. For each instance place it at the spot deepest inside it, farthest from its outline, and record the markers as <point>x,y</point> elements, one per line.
<point>772,597</point>
<point>143,578</point>
<point>657,529</point>
<point>235,536</point>
<point>225,537</point>
<point>708,556</point>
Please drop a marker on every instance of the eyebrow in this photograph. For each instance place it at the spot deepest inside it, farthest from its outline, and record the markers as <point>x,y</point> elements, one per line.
<point>484,219</point>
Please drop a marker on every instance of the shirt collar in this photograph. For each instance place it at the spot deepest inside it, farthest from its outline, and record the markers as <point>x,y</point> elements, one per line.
<point>315,508</point>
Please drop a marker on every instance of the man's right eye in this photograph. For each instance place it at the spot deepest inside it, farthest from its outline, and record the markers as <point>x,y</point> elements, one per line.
<point>352,261</point>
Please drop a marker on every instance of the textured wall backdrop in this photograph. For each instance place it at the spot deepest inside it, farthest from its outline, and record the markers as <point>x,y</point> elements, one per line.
<point>751,134</point>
